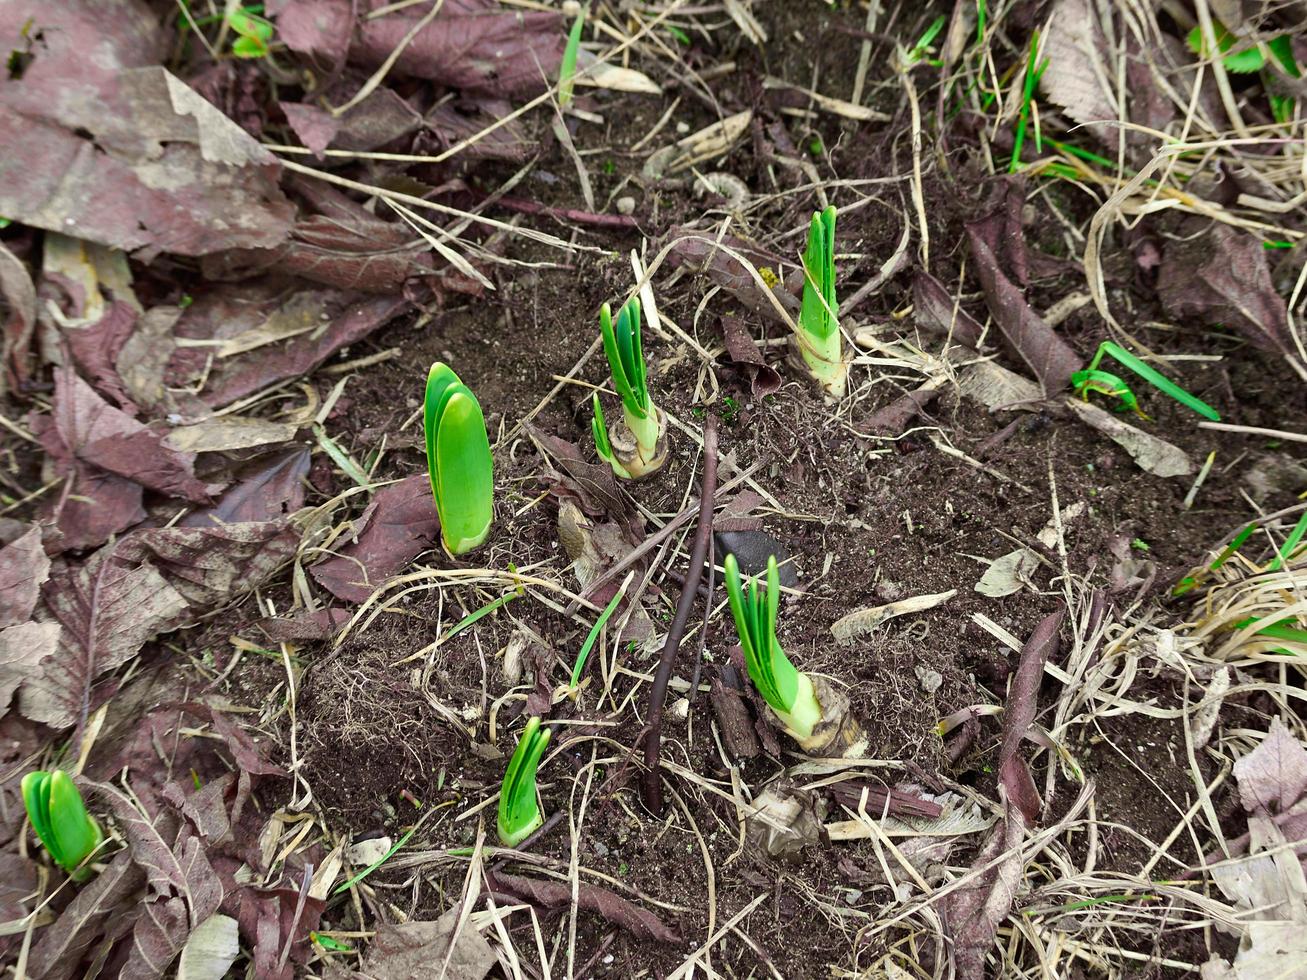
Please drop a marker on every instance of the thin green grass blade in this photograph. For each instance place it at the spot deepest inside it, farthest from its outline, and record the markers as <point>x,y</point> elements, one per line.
<point>1290,543</point>
<point>479,614</point>
<point>347,885</point>
<point>1276,631</point>
<point>599,429</point>
<point>464,472</point>
<point>567,67</point>
<point>595,630</point>
<point>1158,380</point>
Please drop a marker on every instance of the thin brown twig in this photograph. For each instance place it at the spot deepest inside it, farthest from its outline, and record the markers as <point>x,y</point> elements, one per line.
<point>653,782</point>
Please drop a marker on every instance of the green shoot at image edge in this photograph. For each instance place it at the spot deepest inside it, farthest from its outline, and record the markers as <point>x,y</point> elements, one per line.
<point>458,460</point>
<point>788,690</point>
<point>519,813</point>
<point>567,67</point>
<point>624,346</point>
<point>1092,379</point>
<point>819,325</point>
<point>59,817</point>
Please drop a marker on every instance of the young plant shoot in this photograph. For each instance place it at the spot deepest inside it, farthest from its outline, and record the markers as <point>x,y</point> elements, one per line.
<point>519,813</point>
<point>787,690</point>
<point>818,339</point>
<point>458,460</point>
<point>59,817</point>
<point>635,446</point>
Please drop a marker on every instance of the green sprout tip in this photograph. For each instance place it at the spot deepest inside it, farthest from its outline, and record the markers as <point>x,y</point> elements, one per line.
<point>519,813</point>
<point>786,689</point>
<point>59,817</point>
<point>819,326</point>
<point>1154,377</point>
<point>646,449</point>
<point>458,460</point>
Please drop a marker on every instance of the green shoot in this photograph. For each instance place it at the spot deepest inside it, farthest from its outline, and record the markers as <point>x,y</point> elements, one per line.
<point>642,448</point>
<point>567,67</point>
<point>787,690</point>
<point>1033,74</point>
<point>819,326</point>
<point>598,628</point>
<point>59,817</point>
<point>1290,544</point>
<point>329,944</point>
<point>253,34</point>
<point>519,813</point>
<point>1276,631</point>
<point>1108,384</point>
<point>1240,62</point>
<point>345,886</point>
<point>599,429</point>
<point>1190,582</point>
<point>458,460</point>
<point>1154,377</point>
<point>917,53</point>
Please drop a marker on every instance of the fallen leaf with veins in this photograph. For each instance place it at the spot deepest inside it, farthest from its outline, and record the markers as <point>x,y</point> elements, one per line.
<point>138,159</point>
<point>640,922</point>
<point>1221,278</point>
<point>23,568</point>
<point>399,524</point>
<point>411,950</point>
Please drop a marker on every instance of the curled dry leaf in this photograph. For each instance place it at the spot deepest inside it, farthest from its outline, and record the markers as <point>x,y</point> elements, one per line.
<point>744,354</point>
<point>474,45</point>
<point>934,309</point>
<point>1077,77</point>
<point>783,820</point>
<point>640,922</point>
<point>412,950</point>
<point>23,568</point>
<point>265,489</point>
<point>398,525</point>
<point>1221,277</point>
<point>211,949</point>
<point>972,913</point>
<point>19,320</point>
<point>1151,453</point>
<point>852,625</point>
<point>140,160</point>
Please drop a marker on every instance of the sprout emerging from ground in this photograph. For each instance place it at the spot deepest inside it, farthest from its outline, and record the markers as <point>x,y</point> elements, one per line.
<point>786,689</point>
<point>59,817</point>
<point>519,813</point>
<point>636,446</point>
<point>818,338</point>
<point>458,460</point>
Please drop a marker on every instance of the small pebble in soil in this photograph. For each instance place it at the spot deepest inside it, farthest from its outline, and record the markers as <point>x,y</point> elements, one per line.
<point>625,205</point>
<point>930,679</point>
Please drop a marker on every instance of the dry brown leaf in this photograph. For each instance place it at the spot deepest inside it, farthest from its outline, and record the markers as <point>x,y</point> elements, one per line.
<point>409,951</point>
<point>1153,454</point>
<point>860,621</point>
<point>226,433</point>
<point>138,159</point>
<point>1077,77</point>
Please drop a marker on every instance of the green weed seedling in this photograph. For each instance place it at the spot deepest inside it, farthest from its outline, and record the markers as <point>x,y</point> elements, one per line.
<point>786,689</point>
<point>254,34</point>
<point>637,446</point>
<point>1092,379</point>
<point>59,817</point>
<point>519,812</point>
<point>1268,57</point>
<point>1191,582</point>
<point>597,629</point>
<point>818,339</point>
<point>458,460</point>
<point>1033,75</point>
<point>917,53</point>
<point>567,67</point>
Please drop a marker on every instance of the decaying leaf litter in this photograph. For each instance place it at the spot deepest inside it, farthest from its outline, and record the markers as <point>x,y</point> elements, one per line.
<point>1067,635</point>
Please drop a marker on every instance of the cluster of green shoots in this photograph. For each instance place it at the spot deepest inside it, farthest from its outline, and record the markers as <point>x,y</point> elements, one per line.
<point>818,337</point>
<point>458,460</point>
<point>1106,383</point>
<point>786,689</point>
<point>59,817</point>
<point>636,446</point>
